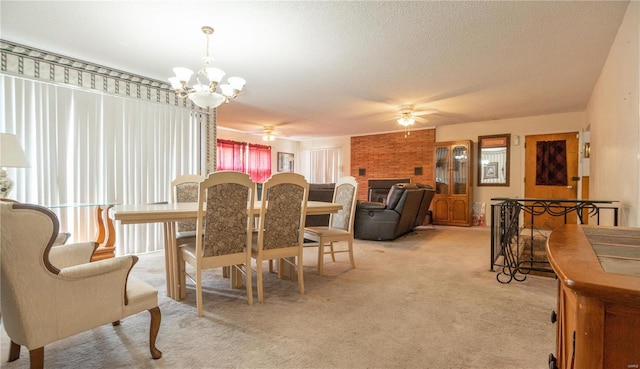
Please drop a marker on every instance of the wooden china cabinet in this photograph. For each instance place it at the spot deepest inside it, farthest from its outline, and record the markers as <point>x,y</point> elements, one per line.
<point>452,200</point>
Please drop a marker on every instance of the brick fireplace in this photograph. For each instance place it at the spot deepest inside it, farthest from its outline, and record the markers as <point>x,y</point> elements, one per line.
<point>391,155</point>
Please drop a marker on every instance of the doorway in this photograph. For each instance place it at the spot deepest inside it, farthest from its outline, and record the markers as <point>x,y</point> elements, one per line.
<point>537,184</point>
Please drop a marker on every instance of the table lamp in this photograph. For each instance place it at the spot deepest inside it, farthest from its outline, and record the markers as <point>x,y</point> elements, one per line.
<point>11,156</point>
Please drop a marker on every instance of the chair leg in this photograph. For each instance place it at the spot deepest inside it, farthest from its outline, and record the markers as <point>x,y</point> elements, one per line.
<point>153,332</point>
<point>248,283</point>
<point>116,323</point>
<point>259,278</point>
<point>353,263</point>
<point>199,290</point>
<point>333,255</point>
<point>14,352</point>
<point>183,276</point>
<point>281,268</point>
<point>320,256</point>
<point>300,272</point>
<point>36,358</point>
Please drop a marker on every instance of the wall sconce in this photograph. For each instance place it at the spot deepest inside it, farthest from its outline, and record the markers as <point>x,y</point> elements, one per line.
<point>587,150</point>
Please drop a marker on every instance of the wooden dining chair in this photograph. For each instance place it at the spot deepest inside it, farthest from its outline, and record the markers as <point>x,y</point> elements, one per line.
<point>340,226</point>
<point>280,233</point>
<point>223,230</point>
<point>184,188</point>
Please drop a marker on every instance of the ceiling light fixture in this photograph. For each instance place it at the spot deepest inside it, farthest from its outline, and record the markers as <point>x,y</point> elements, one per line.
<point>406,118</point>
<point>204,93</point>
<point>268,135</point>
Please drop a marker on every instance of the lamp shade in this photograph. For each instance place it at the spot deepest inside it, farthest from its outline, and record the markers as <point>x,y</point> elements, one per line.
<point>11,153</point>
<point>207,99</point>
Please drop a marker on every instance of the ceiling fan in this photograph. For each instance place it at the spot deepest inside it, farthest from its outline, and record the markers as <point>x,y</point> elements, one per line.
<point>269,133</point>
<point>407,115</point>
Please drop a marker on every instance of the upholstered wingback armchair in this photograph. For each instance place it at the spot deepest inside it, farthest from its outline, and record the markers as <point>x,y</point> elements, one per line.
<point>387,221</point>
<point>50,293</point>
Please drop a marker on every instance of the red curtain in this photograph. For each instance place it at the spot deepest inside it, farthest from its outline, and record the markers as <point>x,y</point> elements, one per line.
<point>231,156</point>
<point>252,159</point>
<point>259,163</point>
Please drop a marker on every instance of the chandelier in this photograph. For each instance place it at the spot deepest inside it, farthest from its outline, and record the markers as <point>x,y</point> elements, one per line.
<point>204,92</point>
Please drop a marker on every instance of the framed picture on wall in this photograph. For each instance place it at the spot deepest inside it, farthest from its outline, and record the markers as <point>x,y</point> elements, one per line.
<point>285,162</point>
<point>491,171</point>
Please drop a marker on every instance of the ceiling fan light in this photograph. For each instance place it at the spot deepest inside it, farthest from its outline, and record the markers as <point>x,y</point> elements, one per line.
<point>183,74</point>
<point>406,121</point>
<point>206,99</point>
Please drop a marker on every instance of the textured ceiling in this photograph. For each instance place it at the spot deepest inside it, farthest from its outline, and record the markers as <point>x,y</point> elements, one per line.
<point>322,69</point>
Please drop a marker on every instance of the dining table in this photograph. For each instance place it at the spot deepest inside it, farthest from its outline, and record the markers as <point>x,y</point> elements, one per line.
<point>170,213</point>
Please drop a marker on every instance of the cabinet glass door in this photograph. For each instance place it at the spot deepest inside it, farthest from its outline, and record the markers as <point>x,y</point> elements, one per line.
<point>442,170</point>
<point>460,163</point>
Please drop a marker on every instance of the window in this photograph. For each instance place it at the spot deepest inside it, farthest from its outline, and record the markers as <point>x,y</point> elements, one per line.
<point>87,147</point>
<point>252,159</point>
<point>321,165</point>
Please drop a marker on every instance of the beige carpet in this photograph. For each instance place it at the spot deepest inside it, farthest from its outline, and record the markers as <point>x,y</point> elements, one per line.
<point>426,300</point>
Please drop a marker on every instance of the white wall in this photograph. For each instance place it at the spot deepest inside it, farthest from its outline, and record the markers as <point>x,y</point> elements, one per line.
<point>613,116</point>
<point>517,127</point>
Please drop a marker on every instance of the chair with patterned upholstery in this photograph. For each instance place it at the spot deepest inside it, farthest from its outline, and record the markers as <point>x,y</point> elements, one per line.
<point>47,296</point>
<point>280,233</point>
<point>340,226</point>
<point>225,230</point>
<point>184,188</point>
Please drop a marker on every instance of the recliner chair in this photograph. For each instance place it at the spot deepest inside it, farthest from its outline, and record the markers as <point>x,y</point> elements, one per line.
<point>428,192</point>
<point>377,221</point>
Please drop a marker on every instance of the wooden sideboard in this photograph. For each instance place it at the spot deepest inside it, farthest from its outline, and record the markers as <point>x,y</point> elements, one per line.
<point>598,311</point>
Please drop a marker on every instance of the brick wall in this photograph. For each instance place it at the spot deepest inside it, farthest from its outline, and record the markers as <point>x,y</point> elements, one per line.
<point>391,155</point>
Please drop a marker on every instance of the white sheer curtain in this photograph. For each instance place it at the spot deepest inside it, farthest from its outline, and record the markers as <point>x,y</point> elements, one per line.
<point>86,147</point>
<point>321,165</point>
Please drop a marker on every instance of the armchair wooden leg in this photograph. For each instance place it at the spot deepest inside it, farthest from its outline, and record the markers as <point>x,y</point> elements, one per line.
<point>14,352</point>
<point>153,332</point>
<point>36,358</point>
<point>116,323</point>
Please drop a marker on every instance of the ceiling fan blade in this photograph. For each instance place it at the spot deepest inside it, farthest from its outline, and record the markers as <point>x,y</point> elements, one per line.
<point>426,112</point>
